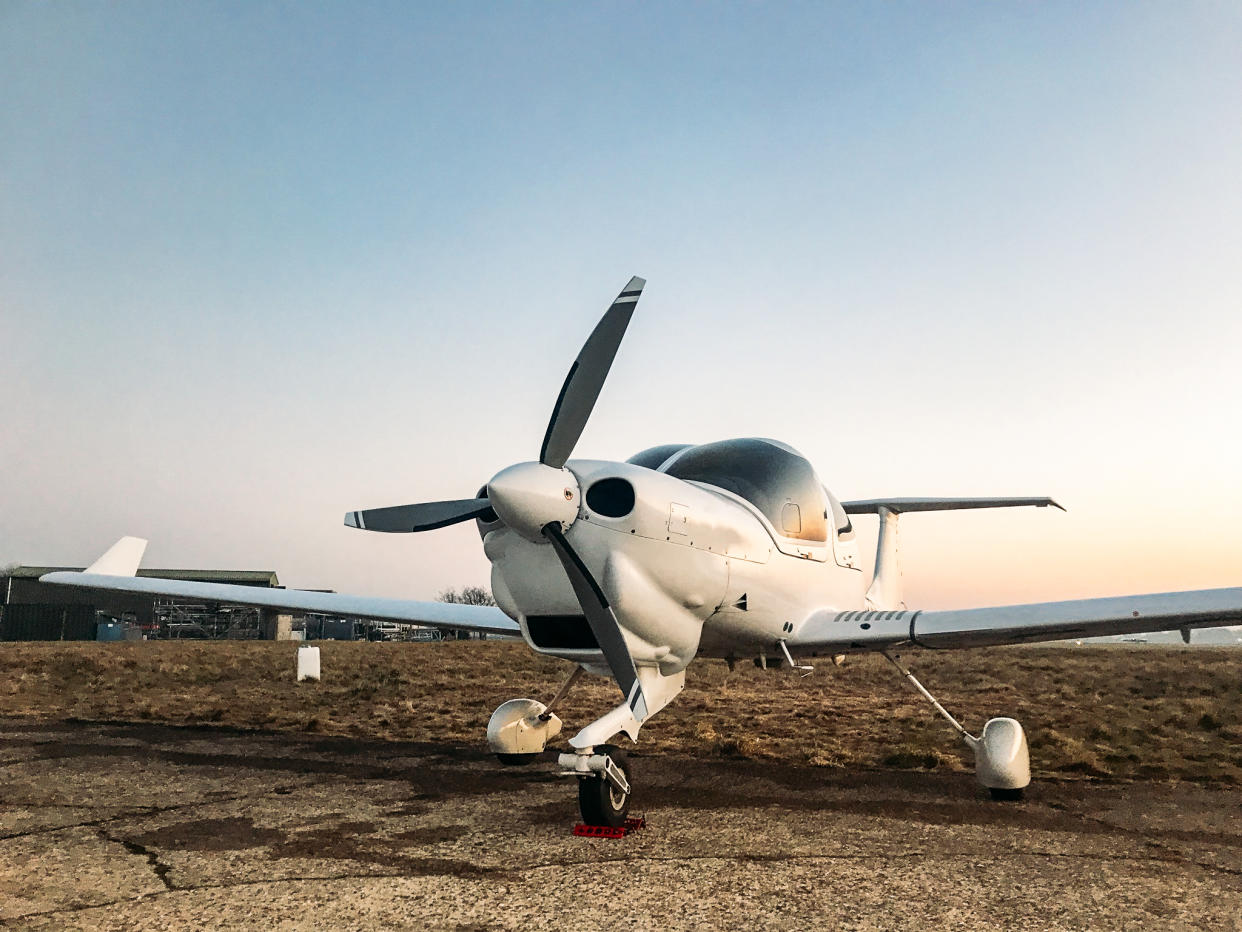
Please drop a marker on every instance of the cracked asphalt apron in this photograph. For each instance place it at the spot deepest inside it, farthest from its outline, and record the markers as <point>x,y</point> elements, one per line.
<point>149,827</point>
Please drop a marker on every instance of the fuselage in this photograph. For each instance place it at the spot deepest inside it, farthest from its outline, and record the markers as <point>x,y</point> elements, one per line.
<point>714,550</point>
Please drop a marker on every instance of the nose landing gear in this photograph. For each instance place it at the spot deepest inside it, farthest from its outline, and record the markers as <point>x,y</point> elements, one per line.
<point>521,728</point>
<point>604,784</point>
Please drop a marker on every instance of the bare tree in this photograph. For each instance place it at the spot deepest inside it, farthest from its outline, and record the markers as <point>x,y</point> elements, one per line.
<point>467,595</point>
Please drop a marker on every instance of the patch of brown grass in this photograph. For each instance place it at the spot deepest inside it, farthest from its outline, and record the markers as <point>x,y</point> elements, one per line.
<point>1115,713</point>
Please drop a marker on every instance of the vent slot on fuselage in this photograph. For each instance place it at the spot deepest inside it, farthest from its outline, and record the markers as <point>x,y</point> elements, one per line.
<point>561,632</point>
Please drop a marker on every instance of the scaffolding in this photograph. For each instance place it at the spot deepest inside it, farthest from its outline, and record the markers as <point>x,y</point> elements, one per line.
<point>181,619</point>
<point>176,619</point>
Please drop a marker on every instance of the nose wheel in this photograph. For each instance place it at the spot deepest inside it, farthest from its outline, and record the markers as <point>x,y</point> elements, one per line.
<point>604,797</point>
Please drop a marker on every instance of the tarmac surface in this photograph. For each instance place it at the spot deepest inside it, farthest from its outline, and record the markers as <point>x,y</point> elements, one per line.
<point>119,826</point>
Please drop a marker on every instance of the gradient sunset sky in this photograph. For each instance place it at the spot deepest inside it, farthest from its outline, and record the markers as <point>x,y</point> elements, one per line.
<point>262,263</point>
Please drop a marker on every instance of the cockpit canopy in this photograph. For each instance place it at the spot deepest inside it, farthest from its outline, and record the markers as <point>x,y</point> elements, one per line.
<point>654,457</point>
<point>774,478</point>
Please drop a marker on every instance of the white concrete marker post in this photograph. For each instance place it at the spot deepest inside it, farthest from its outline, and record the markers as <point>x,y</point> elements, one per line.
<point>308,663</point>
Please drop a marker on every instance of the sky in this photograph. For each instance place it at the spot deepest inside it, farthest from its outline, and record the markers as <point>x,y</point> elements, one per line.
<point>263,263</point>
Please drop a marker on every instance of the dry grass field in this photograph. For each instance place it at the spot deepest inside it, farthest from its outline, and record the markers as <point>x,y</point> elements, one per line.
<point>1116,713</point>
<point>159,786</point>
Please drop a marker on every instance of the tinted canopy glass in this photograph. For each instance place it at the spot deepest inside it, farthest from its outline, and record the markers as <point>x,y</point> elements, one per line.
<point>778,481</point>
<point>654,457</point>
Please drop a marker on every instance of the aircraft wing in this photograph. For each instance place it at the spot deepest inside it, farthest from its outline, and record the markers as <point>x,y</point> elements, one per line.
<point>854,631</point>
<point>114,572</point>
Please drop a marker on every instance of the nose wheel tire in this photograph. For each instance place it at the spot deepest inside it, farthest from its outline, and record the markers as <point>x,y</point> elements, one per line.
<point>600,802</point>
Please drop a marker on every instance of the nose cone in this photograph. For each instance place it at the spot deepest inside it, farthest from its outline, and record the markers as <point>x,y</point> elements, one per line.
<point>528,496</point>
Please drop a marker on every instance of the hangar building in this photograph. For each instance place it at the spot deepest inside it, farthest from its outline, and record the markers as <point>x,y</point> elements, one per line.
<point>32,611</point>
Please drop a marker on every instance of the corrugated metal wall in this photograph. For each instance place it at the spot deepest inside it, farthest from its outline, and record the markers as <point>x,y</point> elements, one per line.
<point>48,622</point>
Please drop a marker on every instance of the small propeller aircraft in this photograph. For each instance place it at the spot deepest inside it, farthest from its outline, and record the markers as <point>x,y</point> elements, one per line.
<point>732,550</point>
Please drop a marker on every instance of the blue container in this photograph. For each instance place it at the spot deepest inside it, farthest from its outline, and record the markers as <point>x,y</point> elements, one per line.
<point>110,631</point>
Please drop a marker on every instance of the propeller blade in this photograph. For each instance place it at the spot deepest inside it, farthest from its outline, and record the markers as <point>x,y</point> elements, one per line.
<point>586,378</point>
<point>600,617</point>
<point>426,516</point>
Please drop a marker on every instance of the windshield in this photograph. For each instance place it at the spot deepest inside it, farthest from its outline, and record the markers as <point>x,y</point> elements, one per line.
<point>774,478</point>
<point>654,457</point>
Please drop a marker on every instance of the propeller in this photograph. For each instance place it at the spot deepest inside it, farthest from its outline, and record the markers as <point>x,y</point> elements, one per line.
<point>586,377</point>
<point>539,500</point>
<point>427,516</point>
<point>600,617</point>
<point>573,408</point>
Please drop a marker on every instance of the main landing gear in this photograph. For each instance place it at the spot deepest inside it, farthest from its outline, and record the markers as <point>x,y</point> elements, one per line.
<point>520,729</point>
<point>1002,758</point>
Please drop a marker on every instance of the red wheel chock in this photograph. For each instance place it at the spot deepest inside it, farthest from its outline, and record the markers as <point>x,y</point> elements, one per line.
<point>609,831</point>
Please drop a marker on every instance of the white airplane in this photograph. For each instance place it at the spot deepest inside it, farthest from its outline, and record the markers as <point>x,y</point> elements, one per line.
<point>731,550</point>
